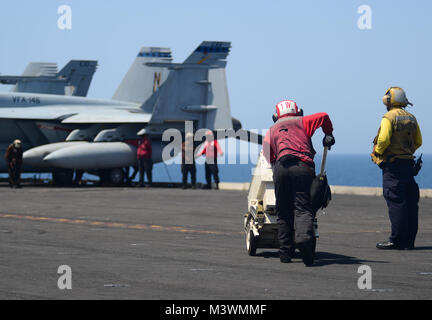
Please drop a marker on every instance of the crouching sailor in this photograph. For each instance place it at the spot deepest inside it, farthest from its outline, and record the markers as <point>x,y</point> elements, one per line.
<point>14,160</point>
<point>288,147</point>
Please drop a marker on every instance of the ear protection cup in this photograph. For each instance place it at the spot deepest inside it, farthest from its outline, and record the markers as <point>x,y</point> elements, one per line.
<point>386,100</point>
<point>387,97</point>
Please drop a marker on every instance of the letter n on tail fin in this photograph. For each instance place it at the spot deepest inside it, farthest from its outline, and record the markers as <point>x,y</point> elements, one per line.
<point>195,90</point>
<point>142,80</point>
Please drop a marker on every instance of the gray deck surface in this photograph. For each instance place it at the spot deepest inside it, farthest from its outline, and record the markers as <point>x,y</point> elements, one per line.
<point>156,243</point>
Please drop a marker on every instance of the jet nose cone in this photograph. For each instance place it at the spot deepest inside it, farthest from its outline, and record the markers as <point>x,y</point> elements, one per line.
<point>55,159</point>
<point>34,157</point>
<point>29,154</point>
<point>100,155</point>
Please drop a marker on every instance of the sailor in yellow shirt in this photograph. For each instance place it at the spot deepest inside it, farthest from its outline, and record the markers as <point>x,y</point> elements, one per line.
<point>398,138</point>
<point>385,134</point>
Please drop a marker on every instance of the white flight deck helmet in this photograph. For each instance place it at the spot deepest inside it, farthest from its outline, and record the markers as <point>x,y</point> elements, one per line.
<point>209,135</point>
<point>396,97</point>
<point>142,132</point>
<point>17,143</point>
<point>287,107</point>
<point>189,139</point>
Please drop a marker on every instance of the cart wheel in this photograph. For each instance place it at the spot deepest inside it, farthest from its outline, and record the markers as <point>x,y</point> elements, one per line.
<point>251,243</point>
<point>246,221</point>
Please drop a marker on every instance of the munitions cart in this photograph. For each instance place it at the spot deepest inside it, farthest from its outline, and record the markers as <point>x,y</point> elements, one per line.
<point>260,222</point>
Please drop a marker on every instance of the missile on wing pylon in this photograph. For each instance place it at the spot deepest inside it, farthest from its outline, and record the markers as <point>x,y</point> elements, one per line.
<point>101,155</point>
<point>34,158</point>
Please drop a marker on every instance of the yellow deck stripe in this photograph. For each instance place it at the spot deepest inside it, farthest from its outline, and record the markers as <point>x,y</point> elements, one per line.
<point>158,227</point>
<point>113,224</point>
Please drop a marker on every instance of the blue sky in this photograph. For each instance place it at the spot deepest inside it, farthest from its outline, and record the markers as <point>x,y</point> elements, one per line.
<point>309,51</point>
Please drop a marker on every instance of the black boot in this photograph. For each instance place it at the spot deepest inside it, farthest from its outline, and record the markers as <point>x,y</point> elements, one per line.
<point>308,255</point>
<point>285,259</point>
<point>388,245</point>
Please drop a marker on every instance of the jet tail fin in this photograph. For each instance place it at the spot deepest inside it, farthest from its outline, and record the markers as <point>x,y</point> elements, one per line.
<point>210,53</point>
<point>42,77</point>
<point>78,74</point>
<point>195,90</point>
<point>142,80</point>
<point>31,79</point>
<point>40,69</point>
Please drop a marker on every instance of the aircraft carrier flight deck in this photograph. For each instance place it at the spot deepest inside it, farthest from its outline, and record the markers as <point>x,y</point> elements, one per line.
<point>157,243</point>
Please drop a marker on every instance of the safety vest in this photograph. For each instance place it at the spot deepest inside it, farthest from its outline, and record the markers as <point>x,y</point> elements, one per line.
<point>289,137</point>
<point>402,141</point>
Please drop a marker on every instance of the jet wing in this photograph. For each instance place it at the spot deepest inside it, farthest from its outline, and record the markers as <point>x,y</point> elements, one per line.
<point>109,116</point>
<point>71,115</point>
<point>15,79</point>
<point>35,113</point>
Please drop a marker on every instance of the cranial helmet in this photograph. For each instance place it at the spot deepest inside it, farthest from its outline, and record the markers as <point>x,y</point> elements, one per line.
<point>17,143</point>
<point>287,107</point>
<point>142,132</point>
<point>209,136</point>
<point>189,137</point>
<point>396,97</point>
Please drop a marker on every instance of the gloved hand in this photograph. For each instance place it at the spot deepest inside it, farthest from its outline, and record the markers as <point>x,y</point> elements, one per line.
<point>328,141</point>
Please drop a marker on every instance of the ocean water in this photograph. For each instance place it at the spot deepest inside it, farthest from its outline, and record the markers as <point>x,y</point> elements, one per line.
<point>347,170</point>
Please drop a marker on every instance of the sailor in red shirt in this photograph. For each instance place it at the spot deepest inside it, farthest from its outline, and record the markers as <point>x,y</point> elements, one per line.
<point>144,156</point>
<point>211,150</point>
<point>288,147</point>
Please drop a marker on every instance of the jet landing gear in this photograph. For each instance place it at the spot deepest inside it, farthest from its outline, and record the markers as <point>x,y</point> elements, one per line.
<point>112,177</point>
<point>63,177</point>
<point>107,177</point>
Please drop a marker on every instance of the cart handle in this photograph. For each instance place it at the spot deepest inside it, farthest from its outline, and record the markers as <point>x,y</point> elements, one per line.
<point>323,162</point>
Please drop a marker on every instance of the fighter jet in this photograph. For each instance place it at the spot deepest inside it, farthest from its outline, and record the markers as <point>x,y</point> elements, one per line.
<point>37,119</point>
<point>42,77</point>
<point>99,134</point>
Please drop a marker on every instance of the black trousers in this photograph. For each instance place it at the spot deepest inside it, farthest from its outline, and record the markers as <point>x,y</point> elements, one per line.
<point>401,193</point>
<point>292,180</point>
<point>186,169</point>
<point>145,165</point>
<point>14,172</point>
<point>211,170</point>
<point>134,173</point>
<point>78,176</point>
